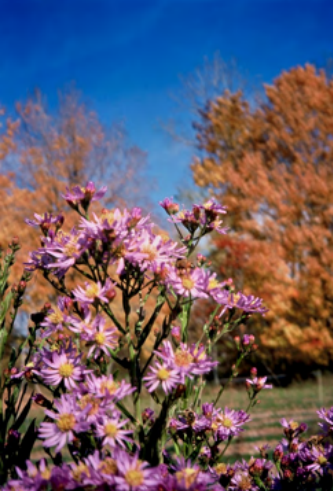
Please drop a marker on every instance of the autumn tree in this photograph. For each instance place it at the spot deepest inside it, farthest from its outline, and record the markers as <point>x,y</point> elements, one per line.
<point>44,150</point>
<point>272,167</point>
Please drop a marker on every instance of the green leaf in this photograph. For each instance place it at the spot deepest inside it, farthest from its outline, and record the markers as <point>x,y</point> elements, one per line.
<point>4,307</point>
<point>3,340</point>
<point>22,417</point>
<point>27,444</point>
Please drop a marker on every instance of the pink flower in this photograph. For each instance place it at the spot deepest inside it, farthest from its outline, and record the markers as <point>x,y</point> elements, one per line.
<point>100,338</point>
<point>63,367</point>
<point>83,195</point>
<point>67,422</point>
<point>110,429</point>
<point>93,292</point>
<point>189,284</point>
<point>162,375</point>
<point>258,383</point>
<point>133,474</point>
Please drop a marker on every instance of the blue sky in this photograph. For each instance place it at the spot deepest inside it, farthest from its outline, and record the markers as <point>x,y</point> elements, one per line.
<point>126,56</point>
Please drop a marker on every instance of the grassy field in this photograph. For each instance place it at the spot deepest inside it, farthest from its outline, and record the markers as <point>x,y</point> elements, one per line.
<point>298,402</point>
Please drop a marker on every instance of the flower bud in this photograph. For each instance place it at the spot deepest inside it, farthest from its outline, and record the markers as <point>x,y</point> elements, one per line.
<point>22,286</point>
<point>175,333</point>
<point>15,242</point>
<point>253,372</point>
<point>278,453</point>
<point>287,474</point>
<point>237,341</point>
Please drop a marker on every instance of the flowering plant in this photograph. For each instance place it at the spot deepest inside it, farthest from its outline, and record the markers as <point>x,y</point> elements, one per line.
<point>95,365</point>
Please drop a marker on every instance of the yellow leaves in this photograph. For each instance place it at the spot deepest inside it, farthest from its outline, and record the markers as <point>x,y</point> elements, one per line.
<point>272,167</point>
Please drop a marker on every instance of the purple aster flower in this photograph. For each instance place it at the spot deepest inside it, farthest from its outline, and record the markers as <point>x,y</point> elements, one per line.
<point>97,406</point>
<point>79,475</point>
<point>112,432</point>
<point>33,477</point>
<point>186,361</point>
<point>202,363</point>
<point>63,366</point>
<point>84,195</point>
<point>100,338</point>
<point>63,250</point>
<point>153,251</point>
<point>327,416</point>
<point>162,375</point>
<point>247,303</point>
<point>227,423</point>
<point>291,428</point>
<point>67,421</point>
<point>189,477</point>
<point>181,360</point>
<point>190,420</point>
<point>190,284</point>
<point>57,318</point>
<point>45,221</point>
<point>133,474</point>
<point>170,207</point>
<point>101,469</point>
<point>213,286</point>
<point>106,386</point>
<point>258,383</point>
<point>93,292</point>
<point>320,459</point>
<point>242,481</point>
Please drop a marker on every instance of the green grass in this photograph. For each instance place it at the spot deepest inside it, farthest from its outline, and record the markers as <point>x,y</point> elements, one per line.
<point>298,402</point>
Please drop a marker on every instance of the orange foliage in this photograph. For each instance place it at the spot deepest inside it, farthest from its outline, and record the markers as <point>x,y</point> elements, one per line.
<point>43,152</point>
<point>272,167</point>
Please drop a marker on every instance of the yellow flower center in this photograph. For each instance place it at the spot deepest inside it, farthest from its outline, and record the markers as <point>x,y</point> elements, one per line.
<point>163,374</point>
<point>183,358</point>
<point>108,215</point>
<point>109,386</point>
<point>245,483</point>
<point>322,460</point>
<point>213,283</point>
<point>201,356</point>
<point>71,247</point>
<point>188,283</point>
<point>66,370</point>
<point>46,474</point>
<point>294,425</point>
<point>111,430</point>
<point>100,338</point>
<point>150,250</point>
<point>66,422</point>
<point>221,468</point>
<point>226,422</point>
<point>208,205</point>
<point>108,466</point>
<point>88,399</point>
<point>92,291</point>
<point>189,476</point>
<point>56,317</point>
<point>134,477</point>
<point>165,237</point>
<point>78,471</point>
<point>235,297</point>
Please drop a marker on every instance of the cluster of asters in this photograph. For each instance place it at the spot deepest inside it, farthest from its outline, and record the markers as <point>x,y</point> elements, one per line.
<point>119,252</point>
<point>126,239</point>
<point>305,463</point>
<point>213,426</point>
<point>296,463</point>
